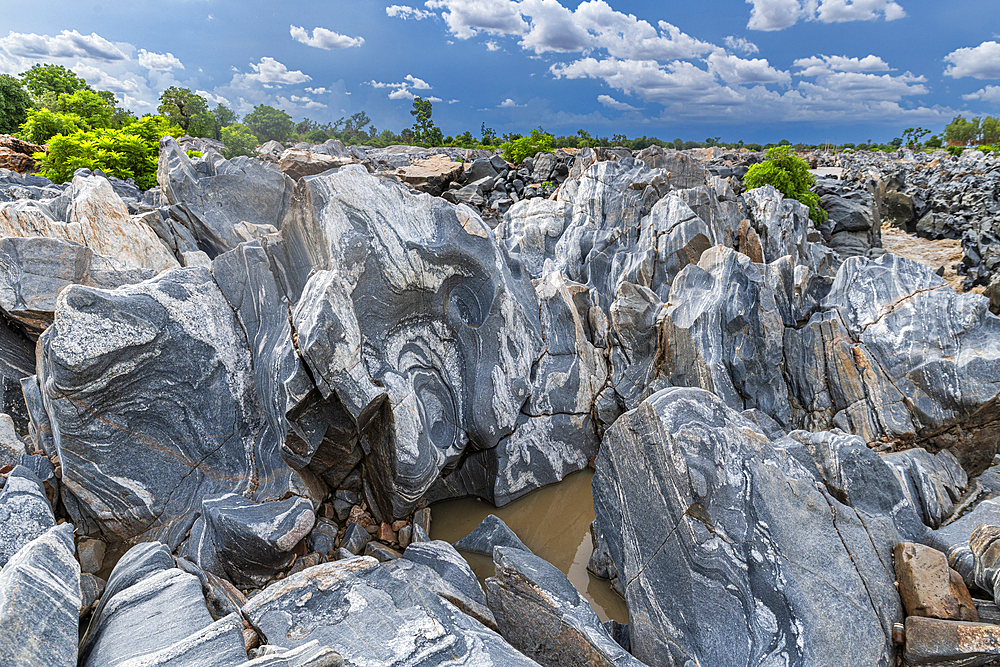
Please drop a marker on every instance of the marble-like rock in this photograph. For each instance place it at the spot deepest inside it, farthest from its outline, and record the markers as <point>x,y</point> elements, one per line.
<point>130,620</point>
<point>542,615</point>
<point>491,532</point>
<point>173,415</point>
<point>985,546</point>
<point>953,539</point>
<point>932,483</point>
<point>443,559</point>
<point>97,218</point>
<point>17,361</point>
<point>457,592</point>
<point>11,445</point>
<point>221,596</point>
<point>213,204</point>
<point>25,512</point>
<point>753,560</point>
<point>310,654</point>
<point>723,332</point>
<point>782,224</point>
<point>40,602</point>
<point>928,356</point>
<point>247,542</point>
<point>404,624</point>
<point>447,323</point>
<point>34,270</point>
<point>220,644</point>
<point>685,171</point>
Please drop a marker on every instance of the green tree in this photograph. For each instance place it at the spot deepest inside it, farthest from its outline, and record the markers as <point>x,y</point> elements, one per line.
<point>14,104</point>
<point>960,131</point>
<point>934,142</point>
<point>789,174</point>
<point>89,105</point>
<point>424,129</point>
<point>238,140</point>
<point>488,134</point>
<point>182,107</point>
<point>222,116</point>
<point>43,124</point>
<point>52,78</point>
<point>269,124</point>
<point>990,130</point>
<point>538,142</point>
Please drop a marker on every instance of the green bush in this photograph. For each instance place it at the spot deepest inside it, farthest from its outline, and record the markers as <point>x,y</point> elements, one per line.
<point>789,174</point>
<point>43,124</point>
<point>268,123</point>
<point>127,153</point>
<point>237,139</point>
<point>194,154</point>
<point>537,142</point>
<point>14,104</point>
<point>955,150</point>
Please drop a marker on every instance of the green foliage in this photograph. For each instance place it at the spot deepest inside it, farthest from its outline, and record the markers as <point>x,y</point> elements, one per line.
<point>913,135</point>
<point>268,124</point>
<point>961,131</point>
<point>14,104</point>
<point>990,130</point>
<point>424,129</point>
<point>789,174</point>
<point>184,108</point>
<point>194,154</point>
<point>52,78</point>
<point>954,150</point>
<point>538,142</point>
<point>934,142</point>
<point>238,140</point>
<point>92,107</point>
<point>43,124</point>
<point>221,117</point>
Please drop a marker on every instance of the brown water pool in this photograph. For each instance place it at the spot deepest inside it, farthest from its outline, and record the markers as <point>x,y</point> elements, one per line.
<point>554,522</point>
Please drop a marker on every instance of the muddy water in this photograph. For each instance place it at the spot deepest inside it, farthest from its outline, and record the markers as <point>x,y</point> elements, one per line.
<point>554,522</point>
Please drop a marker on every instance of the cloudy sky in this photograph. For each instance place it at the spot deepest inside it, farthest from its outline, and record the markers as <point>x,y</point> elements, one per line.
<point>759,70</point>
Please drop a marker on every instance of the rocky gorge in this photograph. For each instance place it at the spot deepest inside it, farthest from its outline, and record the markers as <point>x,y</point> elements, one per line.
<point>229,404</point>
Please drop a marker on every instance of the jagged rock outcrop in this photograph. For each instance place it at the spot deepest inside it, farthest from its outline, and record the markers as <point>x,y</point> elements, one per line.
<point>25,512</point>
<point>731,577</point>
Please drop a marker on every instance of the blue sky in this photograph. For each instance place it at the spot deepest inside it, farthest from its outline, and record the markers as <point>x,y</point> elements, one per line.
<point>760,70</point>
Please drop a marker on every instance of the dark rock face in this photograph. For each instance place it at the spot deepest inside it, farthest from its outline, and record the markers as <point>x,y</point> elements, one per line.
<point>491,532</point>
<point>40,602</point>
<point>543,616</point>
<point>211,204</point>
<point>443,333</point>
<point>148,447</point>
<point>730,578</point>
<point>953,539</point>
<point>405,624</point>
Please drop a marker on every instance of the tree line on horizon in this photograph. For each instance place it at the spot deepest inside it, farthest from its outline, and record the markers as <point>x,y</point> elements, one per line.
<point>83,127</point>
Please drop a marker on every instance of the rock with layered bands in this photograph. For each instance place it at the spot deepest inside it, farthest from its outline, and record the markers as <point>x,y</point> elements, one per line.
<point>248,542</point>
<point>95,217</point>
<point>402,623</point>
<point>927,357</point>
<point>17,361</point>
<point>149,391</point>
<point>218,195</point>
<point>932,483</point>
<point>40,602</point>
<point>414,319</point>
<point>954,538</point>
<point>732,575</point>
<point>542,615</point>
<point>154,614</point>
<point>25,512</point>
<point>34,270</point>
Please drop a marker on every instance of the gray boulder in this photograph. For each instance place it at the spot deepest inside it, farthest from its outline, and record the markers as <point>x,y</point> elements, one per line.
<point>732,576</point>
<point>542,615</point>
<point>953,539</point>
<point>491,532</point>
<point>685,171</point>
<point>404,624</point>
<point>446,324</point>
<point>25,512</point>
<point>229,193</point>
<point>174,418</point>
<point>932,483</point>
<point>11,445</point>
<point>40,602</point>
<point>450,565</point>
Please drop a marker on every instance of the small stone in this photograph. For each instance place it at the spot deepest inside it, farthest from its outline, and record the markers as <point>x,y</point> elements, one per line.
<point>371,529</point>
<point>405,533</point>
<point>422,517</point>
<point>385,534</point>
<point>928,586</point>
<point>323,538</point>
<point>91,590</point>
<point>381,552</point>
<point>355,538</point>
<point>419,534</point>
<point>342,509</point>
<point>396,525</point>
<point>936,641</point>
<point>305,562</point>
<point>91,555</point>
<point>328,511</point>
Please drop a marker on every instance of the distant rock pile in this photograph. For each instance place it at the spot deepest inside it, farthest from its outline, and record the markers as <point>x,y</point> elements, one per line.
<point>247,386</point>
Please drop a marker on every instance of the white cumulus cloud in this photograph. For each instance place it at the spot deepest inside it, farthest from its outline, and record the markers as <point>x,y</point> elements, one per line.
<point>67,44</point>
<point>612,103</point>
<point>780,14</point>
<point>322,38</point>
<point>403,89</point>
<point>741,44</point>
<point>270,71</point>
<point>159,61</point>
<point>979,62</point>
<point>987,94</point>
<point>406,12</point>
